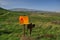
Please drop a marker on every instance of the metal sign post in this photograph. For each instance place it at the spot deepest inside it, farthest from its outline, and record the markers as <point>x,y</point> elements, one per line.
<point>24,30</point>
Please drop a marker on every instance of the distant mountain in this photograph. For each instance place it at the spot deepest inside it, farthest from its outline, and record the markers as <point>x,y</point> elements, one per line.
<point>22,9</point>
<point>30,10</point>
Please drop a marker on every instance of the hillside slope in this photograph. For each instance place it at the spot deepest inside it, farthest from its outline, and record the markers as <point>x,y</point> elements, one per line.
<point>10,29</point>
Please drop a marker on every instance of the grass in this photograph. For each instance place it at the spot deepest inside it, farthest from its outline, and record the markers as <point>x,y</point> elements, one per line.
<point>44,29</point>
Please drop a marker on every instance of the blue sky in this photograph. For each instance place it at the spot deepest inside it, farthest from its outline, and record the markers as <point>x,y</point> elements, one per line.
<point>45,5</point>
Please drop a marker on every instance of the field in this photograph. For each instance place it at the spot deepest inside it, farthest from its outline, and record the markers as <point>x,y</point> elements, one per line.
<point>47,26</point>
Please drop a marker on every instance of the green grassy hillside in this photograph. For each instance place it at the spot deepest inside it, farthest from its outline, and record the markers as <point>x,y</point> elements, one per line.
<point>47,25</point>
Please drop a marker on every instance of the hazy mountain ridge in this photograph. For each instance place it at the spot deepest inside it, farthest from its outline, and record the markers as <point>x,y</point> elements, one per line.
<point>23,9</point>
<point>31,10</point>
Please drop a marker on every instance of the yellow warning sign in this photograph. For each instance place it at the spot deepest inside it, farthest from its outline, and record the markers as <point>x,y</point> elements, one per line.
<point>23,20</point>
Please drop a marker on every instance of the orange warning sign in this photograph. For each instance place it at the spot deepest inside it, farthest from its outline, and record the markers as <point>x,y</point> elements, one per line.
<point>23,20</point>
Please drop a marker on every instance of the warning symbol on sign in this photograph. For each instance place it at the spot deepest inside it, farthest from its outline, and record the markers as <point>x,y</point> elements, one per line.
<point>23,20</point>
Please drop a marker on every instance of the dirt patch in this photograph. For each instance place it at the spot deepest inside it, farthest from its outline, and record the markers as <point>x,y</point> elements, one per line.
<point>26,38</point>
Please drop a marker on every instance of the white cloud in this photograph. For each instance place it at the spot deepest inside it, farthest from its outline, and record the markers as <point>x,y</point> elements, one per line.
<point>3,3</point>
